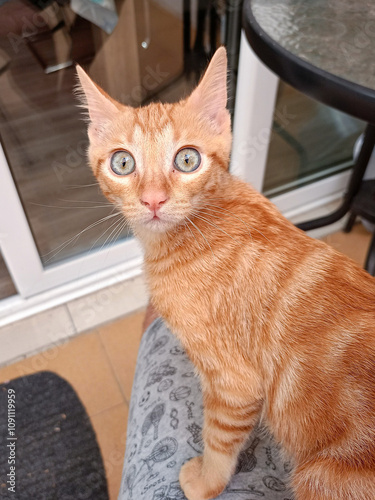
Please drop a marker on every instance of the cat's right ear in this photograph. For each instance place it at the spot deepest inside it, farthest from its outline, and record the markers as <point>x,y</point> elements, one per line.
<point>99,105</point>
<point>209,99</point>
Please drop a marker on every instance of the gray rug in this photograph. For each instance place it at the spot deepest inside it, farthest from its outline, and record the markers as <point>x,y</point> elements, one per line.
<point>56,455</point>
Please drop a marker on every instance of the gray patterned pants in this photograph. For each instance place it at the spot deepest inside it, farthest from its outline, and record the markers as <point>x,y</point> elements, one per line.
<point>164,431</point>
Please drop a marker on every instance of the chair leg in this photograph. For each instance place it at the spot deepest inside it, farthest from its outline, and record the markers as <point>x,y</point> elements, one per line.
<point>353,186</point>
<point>370,259</point>
<point>350,223</point>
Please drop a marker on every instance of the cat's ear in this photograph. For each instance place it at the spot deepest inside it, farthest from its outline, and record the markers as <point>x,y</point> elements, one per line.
<point>210,97</point>
<point>99,105</point>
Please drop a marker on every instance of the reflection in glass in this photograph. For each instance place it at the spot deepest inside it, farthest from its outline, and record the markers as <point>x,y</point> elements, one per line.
<point>309,141</point>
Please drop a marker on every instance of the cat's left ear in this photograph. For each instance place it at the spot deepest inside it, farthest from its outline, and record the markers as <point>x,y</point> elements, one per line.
<point>210,97</point>
<point>100,106</point>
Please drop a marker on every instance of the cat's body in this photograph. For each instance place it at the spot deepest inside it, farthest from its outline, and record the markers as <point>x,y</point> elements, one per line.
<point>280,322</point>
<point>280,326</point>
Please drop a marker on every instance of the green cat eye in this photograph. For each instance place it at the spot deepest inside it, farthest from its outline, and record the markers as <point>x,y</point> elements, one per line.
<point>122,163</point>
<point>187,160</point>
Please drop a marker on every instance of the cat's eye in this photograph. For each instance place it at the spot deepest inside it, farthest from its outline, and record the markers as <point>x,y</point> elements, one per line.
<point>122,163</point>
<point>187,160</point>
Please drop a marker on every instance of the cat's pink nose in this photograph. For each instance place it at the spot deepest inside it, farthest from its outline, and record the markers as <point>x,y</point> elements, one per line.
<point>154,199</point>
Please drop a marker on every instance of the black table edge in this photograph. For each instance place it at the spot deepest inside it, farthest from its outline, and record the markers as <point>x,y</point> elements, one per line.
<point>346,96</point>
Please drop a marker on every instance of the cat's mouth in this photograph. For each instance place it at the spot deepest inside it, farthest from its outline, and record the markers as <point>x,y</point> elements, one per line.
<point>154,218</point>
<point>157,223</point>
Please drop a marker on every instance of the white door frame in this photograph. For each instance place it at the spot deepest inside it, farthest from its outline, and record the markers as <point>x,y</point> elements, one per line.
<point>253,116</point>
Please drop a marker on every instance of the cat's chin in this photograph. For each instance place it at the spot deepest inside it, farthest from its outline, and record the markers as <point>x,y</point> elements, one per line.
<point>158,226</point>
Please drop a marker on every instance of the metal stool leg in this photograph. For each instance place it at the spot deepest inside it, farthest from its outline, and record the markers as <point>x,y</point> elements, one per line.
<point>350,223</point>
<point>354,183</point>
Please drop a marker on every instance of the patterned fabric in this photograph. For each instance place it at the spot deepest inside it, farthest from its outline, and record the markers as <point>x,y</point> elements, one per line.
<point>164,431</point>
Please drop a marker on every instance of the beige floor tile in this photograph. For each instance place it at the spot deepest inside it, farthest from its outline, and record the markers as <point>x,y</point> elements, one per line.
<point>82,362</point>
<point>108,304</point>
<point>31,334</point>
<point>354,244</point>
<point>110,428</point>
<point>121,342</point>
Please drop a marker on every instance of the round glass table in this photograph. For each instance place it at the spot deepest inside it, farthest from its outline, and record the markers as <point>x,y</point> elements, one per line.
<point>327,51</point>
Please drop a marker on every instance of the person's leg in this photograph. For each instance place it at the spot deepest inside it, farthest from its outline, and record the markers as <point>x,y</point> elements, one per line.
<point>165,424</point>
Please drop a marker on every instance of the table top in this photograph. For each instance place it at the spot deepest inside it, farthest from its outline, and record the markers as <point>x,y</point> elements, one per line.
<point>325,48</point>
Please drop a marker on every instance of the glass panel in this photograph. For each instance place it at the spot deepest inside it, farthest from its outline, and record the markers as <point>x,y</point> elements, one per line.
<point>309,141</point>
<point>42,130</point>
<point>137,53</point>
<point>7,288</point>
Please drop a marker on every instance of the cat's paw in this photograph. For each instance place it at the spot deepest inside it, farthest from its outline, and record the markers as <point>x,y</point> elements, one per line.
<point>195,484</point>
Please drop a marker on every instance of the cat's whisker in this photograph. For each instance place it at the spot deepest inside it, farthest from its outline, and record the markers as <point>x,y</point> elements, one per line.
<point>117,235</point>
<point>212,213</point>
<point>191,232</point>
<point>187,225</point>
<point>116,224</point>
<point>109,237</point>
<point>63,245</point>
<point>230,213</point>
<point>70,207</point>
<point>213,210</point>
<point>214,225</point>
<point>117,231</point>
<point>86,201</point>
<point>71,240</point>
<point>78,186</point>
<point>197,228</point>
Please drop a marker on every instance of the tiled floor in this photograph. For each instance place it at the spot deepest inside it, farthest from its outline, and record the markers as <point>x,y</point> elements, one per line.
<point>354,244</point>
<point>100,366</point>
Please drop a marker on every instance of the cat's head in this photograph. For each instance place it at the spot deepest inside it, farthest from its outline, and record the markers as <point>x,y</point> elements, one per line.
<point>158,163</point>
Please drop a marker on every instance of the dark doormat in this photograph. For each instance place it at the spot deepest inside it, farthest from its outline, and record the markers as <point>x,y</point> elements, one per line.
<point>48,448</point>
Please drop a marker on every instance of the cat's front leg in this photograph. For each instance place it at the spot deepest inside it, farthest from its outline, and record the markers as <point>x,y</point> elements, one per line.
<point>227,426</point>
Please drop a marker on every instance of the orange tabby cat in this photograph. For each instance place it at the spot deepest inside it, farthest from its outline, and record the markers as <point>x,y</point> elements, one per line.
<point>280,326</point>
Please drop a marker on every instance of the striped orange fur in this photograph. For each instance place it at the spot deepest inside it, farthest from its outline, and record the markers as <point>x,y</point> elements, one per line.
<point>279,326</point>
